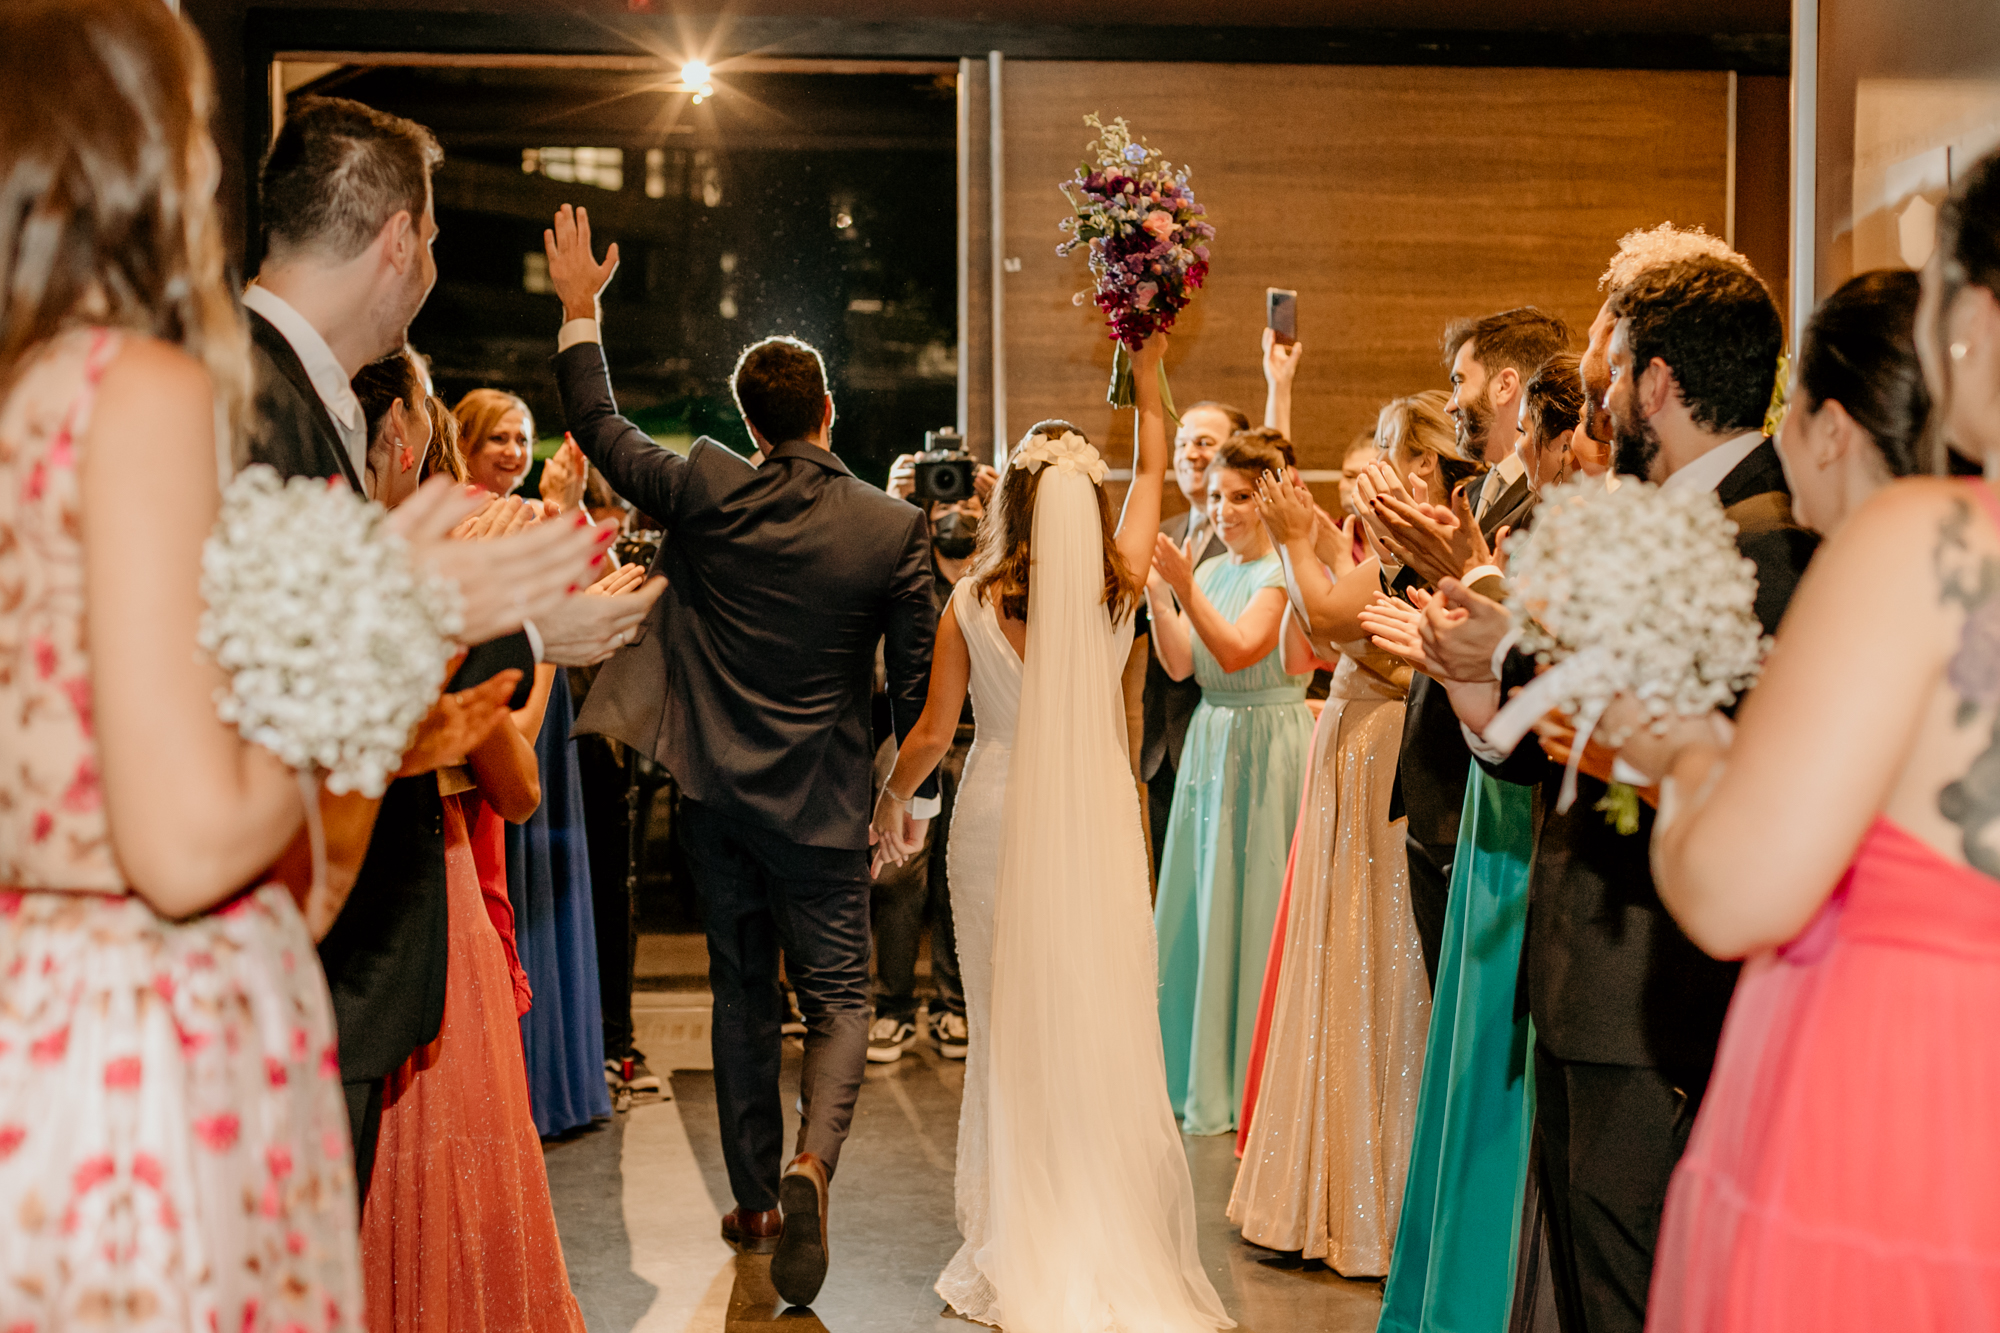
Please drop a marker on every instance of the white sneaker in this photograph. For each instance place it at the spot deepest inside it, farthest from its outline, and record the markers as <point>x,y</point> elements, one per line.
<point>948,1031</point>
<point>889,1038</point>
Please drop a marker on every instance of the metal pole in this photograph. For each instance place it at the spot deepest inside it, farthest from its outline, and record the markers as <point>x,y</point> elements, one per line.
<point>964,249</point>
<point>997,152</point>
<point>1805,162</point>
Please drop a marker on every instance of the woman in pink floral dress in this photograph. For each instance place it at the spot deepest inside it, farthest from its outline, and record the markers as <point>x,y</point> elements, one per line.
<point>173,1143</point>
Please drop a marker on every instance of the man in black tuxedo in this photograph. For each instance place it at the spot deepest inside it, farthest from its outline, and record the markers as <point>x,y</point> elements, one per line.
<point>783,578</point>
<point>1170,703</point>
<point>348,223</point>
<point>1627,1010</point>
<point>1490,361</point>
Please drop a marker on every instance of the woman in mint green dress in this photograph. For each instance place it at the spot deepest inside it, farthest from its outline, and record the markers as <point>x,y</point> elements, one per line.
<point>1457,1247</point>
<point>1237,797</point>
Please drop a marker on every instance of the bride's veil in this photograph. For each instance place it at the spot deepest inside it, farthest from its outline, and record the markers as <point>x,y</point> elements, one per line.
<point>1093,1222</point>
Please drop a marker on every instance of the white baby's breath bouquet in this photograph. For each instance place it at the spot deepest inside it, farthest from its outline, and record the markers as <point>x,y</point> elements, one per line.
<point>1637,591</point>
<point>335,646</point>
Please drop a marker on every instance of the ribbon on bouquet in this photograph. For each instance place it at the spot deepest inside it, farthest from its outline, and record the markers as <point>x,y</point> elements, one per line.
<point>1536,700</point>
<point>1121,393</point>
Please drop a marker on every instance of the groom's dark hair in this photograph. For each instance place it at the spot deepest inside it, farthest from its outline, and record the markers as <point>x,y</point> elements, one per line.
<point>780,388</point>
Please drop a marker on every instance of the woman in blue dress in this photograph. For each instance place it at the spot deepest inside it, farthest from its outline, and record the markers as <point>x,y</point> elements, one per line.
<point>1236,799</point>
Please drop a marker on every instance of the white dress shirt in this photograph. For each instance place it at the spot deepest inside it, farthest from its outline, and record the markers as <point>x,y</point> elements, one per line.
<point>328,378</point>
<point>1498,478</point>
<point>1712,468</point>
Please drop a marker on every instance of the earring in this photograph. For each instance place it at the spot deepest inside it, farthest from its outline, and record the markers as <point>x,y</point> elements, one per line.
<point>409,457</point>
<point>1958,351</point>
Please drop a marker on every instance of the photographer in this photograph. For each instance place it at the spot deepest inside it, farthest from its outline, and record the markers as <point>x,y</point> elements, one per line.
<point>916,893</point>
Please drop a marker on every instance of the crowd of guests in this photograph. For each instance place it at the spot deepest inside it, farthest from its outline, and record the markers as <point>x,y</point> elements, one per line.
<point>1464,1039</point>
<point>1507,1055</point>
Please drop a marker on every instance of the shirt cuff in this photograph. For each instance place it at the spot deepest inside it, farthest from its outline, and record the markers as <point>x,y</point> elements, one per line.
<point>576,331</point>
<point>1473,575</point>
<point>926,807</point>
<point>534,639</point>
<point>1475,742</point>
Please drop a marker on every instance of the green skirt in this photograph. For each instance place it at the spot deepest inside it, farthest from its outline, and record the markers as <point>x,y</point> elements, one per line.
<point>1453,1268</point>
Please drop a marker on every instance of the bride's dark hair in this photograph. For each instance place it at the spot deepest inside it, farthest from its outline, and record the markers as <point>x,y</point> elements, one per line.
<point>1000,569</point>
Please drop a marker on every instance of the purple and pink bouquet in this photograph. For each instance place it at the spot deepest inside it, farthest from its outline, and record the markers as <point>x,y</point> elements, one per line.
<point>1148,241</point>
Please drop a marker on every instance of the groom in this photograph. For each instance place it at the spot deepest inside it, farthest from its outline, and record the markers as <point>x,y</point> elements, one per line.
<point>753,687</point>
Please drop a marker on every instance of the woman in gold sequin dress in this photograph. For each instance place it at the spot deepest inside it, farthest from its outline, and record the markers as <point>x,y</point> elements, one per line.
<point>1327,1144</point>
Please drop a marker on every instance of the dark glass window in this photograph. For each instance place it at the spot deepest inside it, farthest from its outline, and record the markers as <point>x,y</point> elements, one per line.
<point>820,205</point>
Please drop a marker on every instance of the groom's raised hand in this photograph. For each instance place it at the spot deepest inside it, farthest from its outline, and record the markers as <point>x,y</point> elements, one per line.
<point>579,279</point>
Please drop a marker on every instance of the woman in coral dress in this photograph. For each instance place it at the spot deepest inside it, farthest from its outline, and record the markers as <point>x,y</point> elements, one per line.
<point>458,1232</point>
<point>1840,1173</point>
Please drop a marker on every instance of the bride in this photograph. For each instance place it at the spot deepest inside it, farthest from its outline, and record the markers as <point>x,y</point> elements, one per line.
<point>1073,1191</point>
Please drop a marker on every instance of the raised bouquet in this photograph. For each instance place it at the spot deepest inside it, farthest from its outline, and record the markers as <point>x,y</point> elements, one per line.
<point>1637,591</point>
<point>1147,238</point>
<point>335,646</point>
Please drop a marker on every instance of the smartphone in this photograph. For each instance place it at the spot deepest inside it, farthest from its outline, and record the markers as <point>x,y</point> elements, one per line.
<point>1281,312</point>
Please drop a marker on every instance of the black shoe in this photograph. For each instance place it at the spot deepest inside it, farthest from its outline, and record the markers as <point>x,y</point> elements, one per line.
<point>798,1269</point>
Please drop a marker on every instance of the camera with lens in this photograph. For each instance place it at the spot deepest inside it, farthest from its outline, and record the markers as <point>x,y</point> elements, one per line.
<point>944,470</point>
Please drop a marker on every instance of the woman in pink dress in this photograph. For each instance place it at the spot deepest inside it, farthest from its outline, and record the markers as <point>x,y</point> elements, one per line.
<point>1841,1171</point>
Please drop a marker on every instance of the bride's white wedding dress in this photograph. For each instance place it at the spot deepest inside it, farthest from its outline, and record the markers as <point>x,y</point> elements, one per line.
<point>1073,1190</point>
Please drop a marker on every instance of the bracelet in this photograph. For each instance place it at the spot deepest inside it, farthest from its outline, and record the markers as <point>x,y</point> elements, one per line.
<point>890,793</point>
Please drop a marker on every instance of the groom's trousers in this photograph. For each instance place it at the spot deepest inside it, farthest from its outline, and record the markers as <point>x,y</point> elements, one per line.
<point>762,895</point>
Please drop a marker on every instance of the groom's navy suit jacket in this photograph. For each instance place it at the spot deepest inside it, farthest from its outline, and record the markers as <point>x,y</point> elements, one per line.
<point>753,681</point>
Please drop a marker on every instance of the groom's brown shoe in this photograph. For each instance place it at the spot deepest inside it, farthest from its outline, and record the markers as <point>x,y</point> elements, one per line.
<point>753,1232</point>
<point>799,1267</point>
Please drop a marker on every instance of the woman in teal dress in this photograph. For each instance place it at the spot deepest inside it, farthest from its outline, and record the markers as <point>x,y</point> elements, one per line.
<point>1237,796</point>
<point>1457,1247</point>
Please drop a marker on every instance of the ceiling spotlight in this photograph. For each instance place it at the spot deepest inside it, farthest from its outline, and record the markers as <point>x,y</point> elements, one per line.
<point>695,74</point>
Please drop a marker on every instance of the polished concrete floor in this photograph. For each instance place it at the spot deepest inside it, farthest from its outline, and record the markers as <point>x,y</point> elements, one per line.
<point>638,1200</point>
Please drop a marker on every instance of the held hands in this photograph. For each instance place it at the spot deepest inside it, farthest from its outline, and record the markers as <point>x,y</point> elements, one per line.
<point>578,278</point>
<point>563,478</point>
<point>894,834</point>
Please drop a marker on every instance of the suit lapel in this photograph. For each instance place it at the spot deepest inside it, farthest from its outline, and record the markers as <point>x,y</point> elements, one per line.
<point>1506,510</point>
<point>327,435</point>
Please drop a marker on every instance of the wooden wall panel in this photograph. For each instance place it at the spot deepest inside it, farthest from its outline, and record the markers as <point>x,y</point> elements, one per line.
<point>1394,199</point>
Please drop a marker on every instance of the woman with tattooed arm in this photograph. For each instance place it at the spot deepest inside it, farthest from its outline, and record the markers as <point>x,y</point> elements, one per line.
<point>1846,841</point>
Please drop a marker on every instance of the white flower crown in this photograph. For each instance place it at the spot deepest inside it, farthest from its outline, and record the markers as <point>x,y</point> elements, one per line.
<point>1069,451</point>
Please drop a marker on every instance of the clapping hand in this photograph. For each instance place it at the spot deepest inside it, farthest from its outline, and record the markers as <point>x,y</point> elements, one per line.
<point>503,581</point>
<point>585,630</point>
<point>1395,626</point>
<point>578,278</point>
<point>1436,542</point>
<point>1286,507</point>
<point>564,477</point>
<point>616,581</point>
<point>1462,629</point>
<point>458,723</point>
<point>1174,565</point>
